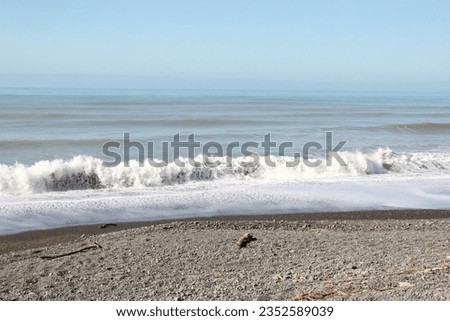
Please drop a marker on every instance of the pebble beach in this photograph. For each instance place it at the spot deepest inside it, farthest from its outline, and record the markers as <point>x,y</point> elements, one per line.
<point>380,255</point>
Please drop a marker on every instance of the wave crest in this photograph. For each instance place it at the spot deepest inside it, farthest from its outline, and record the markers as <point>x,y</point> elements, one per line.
<point>85,172</point>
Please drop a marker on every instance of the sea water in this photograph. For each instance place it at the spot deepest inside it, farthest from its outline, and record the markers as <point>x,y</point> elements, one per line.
<point>52,162</point>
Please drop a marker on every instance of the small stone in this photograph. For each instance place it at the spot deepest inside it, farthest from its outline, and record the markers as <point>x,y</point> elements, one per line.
<point>405,284</point>
<point>245,239</point>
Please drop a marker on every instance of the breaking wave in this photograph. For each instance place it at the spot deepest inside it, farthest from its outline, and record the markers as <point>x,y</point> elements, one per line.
<point>430,128</point>
<point>85,172</point>
<point>423,127</point>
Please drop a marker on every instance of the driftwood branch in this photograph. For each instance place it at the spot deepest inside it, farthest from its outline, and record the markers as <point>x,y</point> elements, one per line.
<point>312,295</point>
<point>108,225</point>
<point>93,246</point>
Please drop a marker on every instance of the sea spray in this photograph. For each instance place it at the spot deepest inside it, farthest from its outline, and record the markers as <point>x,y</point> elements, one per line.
<point>86,172</point>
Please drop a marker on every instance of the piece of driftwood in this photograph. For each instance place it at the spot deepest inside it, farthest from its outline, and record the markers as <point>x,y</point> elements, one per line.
<point>362,282</point>
<point>108,225</point>
<point>93,246</point>
<point>314,296</point>
<point>245,239</point>
<point>420,271</point>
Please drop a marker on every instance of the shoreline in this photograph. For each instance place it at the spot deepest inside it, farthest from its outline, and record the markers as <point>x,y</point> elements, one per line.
<point>39,238</point>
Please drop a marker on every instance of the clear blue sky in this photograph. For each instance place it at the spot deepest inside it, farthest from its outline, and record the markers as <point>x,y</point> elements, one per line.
<point>307,45</point>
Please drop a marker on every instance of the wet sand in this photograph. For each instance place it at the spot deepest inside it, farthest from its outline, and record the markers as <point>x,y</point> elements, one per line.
<point>375,255</point>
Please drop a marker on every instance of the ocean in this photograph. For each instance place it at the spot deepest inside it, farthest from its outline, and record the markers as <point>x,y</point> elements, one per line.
<point>54,171</point>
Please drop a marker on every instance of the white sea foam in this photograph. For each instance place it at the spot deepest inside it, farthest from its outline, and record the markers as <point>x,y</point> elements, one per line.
<point>84,172</point>
<point>195,199</point>
<point>82,191</point>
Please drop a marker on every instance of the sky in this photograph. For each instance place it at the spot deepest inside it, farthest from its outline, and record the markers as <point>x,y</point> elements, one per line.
<point>211,44</point>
